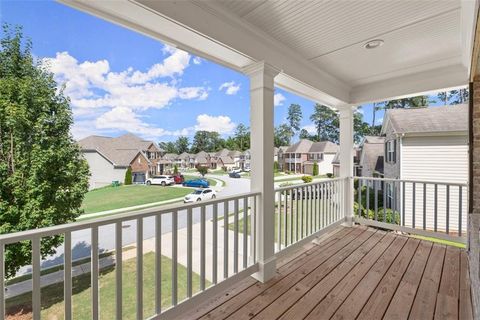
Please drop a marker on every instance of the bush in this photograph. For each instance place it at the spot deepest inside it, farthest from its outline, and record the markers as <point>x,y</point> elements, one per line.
<point>175,169</point>
<point>307,179</point>
<point>329,175</point>
<point>202,170</point>
<point>286,184</point>
<point>275,166</point>
<point>315,169</point>
<point>128,176</point>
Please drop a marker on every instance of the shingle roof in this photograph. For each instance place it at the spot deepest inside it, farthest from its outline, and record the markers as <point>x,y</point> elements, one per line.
<point>234,153</point>
<point>373,154</point>
<point>226,159</point>
<point>121,151</point>
<point>222,153</point>
<point>433,119</point>
<point>302,146</point>
<point>306,146</point>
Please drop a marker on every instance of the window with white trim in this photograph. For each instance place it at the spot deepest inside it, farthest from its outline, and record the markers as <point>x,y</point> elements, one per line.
<point>391,151</point>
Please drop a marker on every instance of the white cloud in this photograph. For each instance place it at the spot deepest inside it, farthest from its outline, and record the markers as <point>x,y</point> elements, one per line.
<point>379,121</point>
<point>220,124</point>
<point>104,100</point>
<point>197,60</point>
<point>121,118</point>
<point>310,128</point>
<point>92,85</point>
<point>278,99</point>
<point>231,87</point>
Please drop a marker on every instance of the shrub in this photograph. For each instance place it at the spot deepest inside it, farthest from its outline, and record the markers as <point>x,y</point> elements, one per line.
<point>329,175</point>
<point>128,176</point>
<point>307,179</point>
<point>315,169</point>
<point>275,166</point>
<point>202,170</point>
<point>286,184</point>
<point>175,169</point>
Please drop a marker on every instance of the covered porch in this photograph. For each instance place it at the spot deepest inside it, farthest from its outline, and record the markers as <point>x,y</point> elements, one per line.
<point>297,252</point>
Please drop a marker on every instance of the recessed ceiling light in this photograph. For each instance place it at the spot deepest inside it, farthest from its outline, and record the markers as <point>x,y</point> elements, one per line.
<point>372,44</point>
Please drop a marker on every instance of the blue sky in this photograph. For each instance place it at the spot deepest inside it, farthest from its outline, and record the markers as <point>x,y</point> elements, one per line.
<point>119,80</point>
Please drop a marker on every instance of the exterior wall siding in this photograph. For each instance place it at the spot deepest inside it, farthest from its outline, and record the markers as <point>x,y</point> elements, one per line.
<point>442,159</point>
<point>102,172</point>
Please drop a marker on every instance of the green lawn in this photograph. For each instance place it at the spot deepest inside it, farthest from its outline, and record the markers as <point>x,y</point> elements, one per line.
<point>110,198</point>
<point>300,178</point>
<point>52,296</point>
<point>290,214</point>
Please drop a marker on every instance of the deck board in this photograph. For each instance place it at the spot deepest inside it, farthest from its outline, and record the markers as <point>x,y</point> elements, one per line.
<point>354,273</point>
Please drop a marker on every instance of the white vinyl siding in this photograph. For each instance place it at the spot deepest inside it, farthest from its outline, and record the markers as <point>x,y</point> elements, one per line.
<point>439,159</point>
<point>102,172</point>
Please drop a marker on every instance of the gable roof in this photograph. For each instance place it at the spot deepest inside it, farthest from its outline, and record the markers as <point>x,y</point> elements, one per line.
<point>427,120</point>
<point>306,146</point>
<point>373,153</point>
<point>234,153</point>
<point>222,153</point>
<point>120,151</point>
<point>226,160</point>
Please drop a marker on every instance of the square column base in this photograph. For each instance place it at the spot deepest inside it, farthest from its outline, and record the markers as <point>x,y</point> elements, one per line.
<point>267,270</point>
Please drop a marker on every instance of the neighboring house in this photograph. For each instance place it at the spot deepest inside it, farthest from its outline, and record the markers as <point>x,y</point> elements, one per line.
<point>225,163</point>
<point>301,156</point>
<point>371,156</point>
<point>184,159</point>
<point>201,159</point>
<point>245,159</point>
<point>109,158</point>
<point>281,157</point>
<point>236,156</point>
<point>169,161</point>
<point>336,162</point>
<point>427,144</point>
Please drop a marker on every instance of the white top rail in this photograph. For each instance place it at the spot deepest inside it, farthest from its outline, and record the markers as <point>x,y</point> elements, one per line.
<point>314,183</point>
<point>127,216</point>
<point>413,181</point>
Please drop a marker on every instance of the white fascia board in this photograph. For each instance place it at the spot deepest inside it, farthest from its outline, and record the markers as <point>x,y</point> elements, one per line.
<point>468,16</point>
<point>411,85</point>
<point>205,30</point>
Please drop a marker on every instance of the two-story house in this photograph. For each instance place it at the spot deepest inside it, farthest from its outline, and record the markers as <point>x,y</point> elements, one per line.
<point>301,156</point>
<point>426,144</point>
<point>109,158</point>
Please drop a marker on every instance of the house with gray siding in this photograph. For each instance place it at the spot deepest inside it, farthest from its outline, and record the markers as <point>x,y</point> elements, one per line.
<point>109,158</point>
<point>426,144</point>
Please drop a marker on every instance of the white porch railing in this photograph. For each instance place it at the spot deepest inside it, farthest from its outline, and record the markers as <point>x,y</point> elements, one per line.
<point>303,211</point>
<point>214,241</point>
<point>227,247</point>
<point>427,208</point>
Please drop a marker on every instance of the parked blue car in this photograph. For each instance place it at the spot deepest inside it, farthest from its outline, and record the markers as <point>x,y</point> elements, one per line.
<point>196,183</point>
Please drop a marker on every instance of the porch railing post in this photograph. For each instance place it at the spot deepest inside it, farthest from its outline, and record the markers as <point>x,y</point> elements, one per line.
<point>261,121</point>
<point>346,160</point>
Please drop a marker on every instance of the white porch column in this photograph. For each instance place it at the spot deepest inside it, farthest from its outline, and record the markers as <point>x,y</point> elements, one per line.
<point>346,159</point>
<point>261,146</point>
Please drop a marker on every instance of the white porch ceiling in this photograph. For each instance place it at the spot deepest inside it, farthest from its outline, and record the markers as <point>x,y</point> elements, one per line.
<point>318,45</point>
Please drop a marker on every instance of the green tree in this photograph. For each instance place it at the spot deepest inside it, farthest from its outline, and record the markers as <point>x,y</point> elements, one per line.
<point>326,122</point>
<point>275,166</point>
<point>459,96</point>
<point>182,144</point>
<point>360,127</point>
<point>43,176</point>
<point>315,169</point>
<point>294,117</point>
<point>128,176</point>
<point>202,170</point>
<point>200,141</point>
<point>242,137</point>
<point>175,169</point>
<point>413,102</point>
<point>168,147</point>
<point>282,135</point>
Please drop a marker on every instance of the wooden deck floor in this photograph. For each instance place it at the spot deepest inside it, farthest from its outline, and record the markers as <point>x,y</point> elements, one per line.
<point>354,273</point>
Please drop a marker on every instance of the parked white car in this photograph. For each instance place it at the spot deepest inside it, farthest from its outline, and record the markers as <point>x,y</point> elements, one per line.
<point>200,195</point>
<point>161,180</point>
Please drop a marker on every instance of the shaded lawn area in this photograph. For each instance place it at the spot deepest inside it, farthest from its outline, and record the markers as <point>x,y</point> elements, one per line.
<point>52,296</point>
<point>110,198</point>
